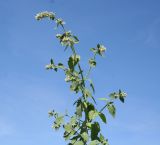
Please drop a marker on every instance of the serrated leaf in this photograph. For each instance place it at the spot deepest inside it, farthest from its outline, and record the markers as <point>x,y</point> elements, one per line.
<point>111,109</point>
<point>79,143</point>
<point>95,129</point>
<point>79,109</point>
<point>58,122</point>
<point>88,124</point>
<point>103,117</point>
<point>84,136</point>
<point>68,127</point>
<point>103,140</point>
<point>94,142</point>
<point>92,114</point>
<point>73,60</point>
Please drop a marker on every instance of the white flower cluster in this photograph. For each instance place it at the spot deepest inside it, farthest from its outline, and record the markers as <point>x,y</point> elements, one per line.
<point>101,49</point>
<point>45,14</point>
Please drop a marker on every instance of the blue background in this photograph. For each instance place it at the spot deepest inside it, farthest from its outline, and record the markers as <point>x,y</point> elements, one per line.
<point>130,29</point>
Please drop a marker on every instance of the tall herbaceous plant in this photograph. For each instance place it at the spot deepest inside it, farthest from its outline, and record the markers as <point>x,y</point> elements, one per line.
<point>82,127</point>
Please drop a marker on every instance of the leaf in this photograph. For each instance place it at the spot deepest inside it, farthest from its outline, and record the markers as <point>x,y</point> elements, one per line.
<point>68,127</point>
<point>98,45</point>
<point>103,99</point>
<point>79,109</point>
<point>58,122</point>
<point>121,99</point>
<point>103,140</point>
<point>79,143</point>
<point>111,109</point>
<point>51,61</point>
<point>73,60</point>
<point>91,85</point>
<point>103,117</point>
<point>94,50</point>
<point>76,38</point>
<point>122,95</point>
<point>60,65</point>
<point>88,124</point>
<point>90,106</point>
<point>84,136</point>
<point>113,95</point>
<point>73,120</point>
<point>95,129</point>
<point>50,113</point>
<point>93,114</point>
<point>94,142</point>
<point>87,93</point>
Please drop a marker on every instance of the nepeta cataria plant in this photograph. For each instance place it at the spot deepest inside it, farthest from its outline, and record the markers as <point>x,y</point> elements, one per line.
<point>81,128</point>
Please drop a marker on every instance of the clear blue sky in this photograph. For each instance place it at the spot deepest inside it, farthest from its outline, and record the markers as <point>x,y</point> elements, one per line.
<point>130,29</point>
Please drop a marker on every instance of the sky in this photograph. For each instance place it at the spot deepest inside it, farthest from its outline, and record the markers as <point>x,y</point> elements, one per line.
<point>130,29</point>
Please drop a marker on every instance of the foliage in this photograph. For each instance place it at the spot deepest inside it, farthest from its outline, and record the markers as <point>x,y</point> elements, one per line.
<point>82,127</point>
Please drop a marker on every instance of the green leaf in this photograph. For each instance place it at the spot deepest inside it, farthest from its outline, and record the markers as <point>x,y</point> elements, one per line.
<point>76,38</point>
<point>68,127</point>
<point>60,65</point>
<point>93,114</point>
<point>122,95</point>
<point>94,50</point>
<point>103,117</point>
<point>103,140</point>
<point>90,106</point>
<point>95,129</point>
<point>121,98</point>
<point>91,85</point>
<point>111,109</point>
<point>51,61</point>
<point>73,120</point>
<point>58,122</point>
<point>84,136</point>
<point>50,113</point>
<point>79,109</point>
<point>73,60</point>
<point>94,142</point>
<point>113,95</point>
<point>103,99</point>
<point>88,124</point>
<point>79,143</point>
<point>87,93</point>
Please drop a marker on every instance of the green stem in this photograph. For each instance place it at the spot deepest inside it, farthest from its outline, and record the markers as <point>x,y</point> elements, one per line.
<point>103,108</point>
<point>90,68</point>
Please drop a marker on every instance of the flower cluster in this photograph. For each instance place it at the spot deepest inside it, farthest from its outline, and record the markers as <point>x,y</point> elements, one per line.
<point>45,14</point>
<point>101,49</point>
<point>67,39</point>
